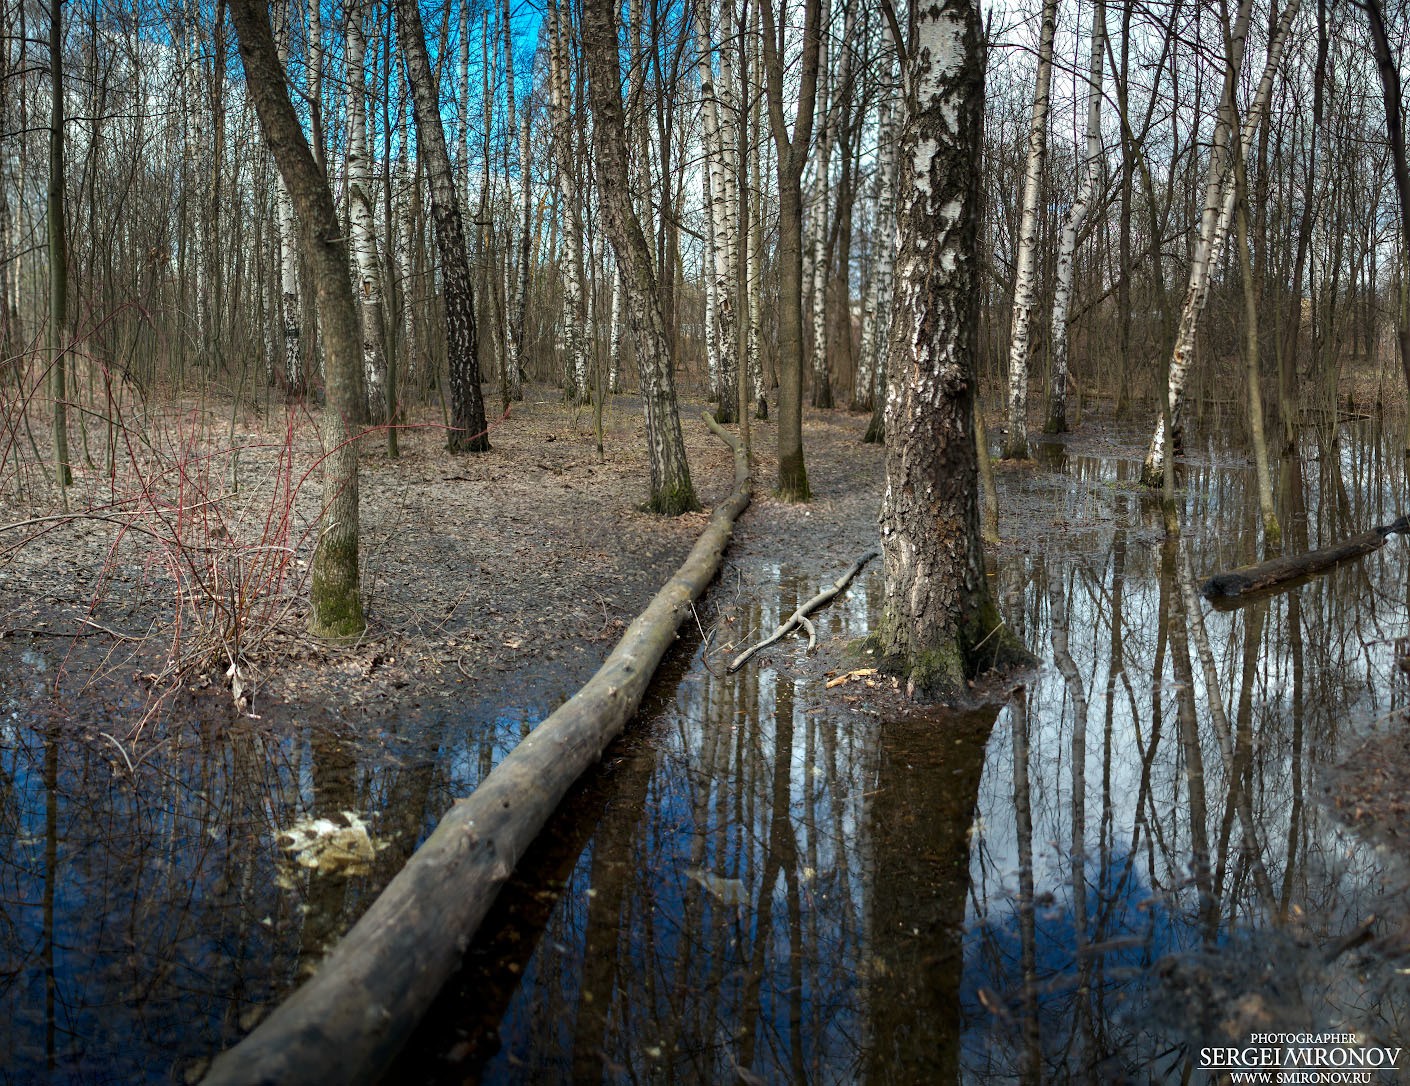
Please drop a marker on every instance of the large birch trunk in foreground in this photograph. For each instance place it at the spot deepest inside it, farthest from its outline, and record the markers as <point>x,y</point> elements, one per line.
<point>1025,276</point>
<point>1214,227</point>
<point>938,610</point>
<point>467,406</point>
<point>1072,227</point>
<point>671,489</point>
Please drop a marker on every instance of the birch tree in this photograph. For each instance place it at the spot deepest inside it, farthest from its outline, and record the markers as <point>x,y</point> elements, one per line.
<point>938,611</point>
<point>468,431</point>
<point>723,210</point>
<point>671,489</point>
<point>288,252</point>
<point>1025,275</point>
<point>334,590</point>
<point>876,301</point>
<point>575,381</point>
<point>364,233</point>
<point>1072,226</point>
<point>816,250</point>
<point>1214,222</point>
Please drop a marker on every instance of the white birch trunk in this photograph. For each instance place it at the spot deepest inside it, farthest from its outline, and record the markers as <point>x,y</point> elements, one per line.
<point>876,305</point>
<point>754,259</point>
<point>722,203</point>
<point>513,299</point>
<point>1214,226</point>
<point>614,362</point>
<point>817,222</point>
<point>288,258</point>
<point>364,230</point>
<point>575,357</point>
<point>1072,225</point>
<point>1025,277</point>
<point>405,182</point>
<point>713,263</point>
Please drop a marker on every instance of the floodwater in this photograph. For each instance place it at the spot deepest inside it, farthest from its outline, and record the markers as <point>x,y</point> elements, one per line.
<point>1129,861</point>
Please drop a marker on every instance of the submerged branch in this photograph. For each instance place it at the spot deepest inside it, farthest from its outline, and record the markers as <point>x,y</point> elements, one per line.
<point>800,616</point>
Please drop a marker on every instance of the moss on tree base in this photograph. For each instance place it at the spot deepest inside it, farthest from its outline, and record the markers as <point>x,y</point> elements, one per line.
<point>672,501</point>
<point>334,594</point>
<point>940,672</point>
<point>793,479</point>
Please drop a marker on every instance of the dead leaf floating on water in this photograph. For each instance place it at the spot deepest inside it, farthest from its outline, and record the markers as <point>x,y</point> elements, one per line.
<point>331,847</point>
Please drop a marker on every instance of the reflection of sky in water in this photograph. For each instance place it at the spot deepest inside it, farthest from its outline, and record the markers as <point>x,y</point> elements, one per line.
<point>773,878</point>
<point>807,975</point>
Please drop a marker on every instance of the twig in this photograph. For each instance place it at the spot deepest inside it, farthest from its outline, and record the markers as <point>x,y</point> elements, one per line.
<point>800,616</point>
<point>130,767</point>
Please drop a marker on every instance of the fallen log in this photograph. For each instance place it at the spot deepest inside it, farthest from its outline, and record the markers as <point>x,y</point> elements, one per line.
<point>1281,572</point>
<point>800,616</point>
<point>348,1021</point>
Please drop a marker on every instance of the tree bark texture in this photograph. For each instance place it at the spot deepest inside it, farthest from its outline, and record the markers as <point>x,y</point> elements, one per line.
<point>364,231</point>
<point>939,617</point>
<point>1072,227</point>
<point>792,157</point>
<point>1025,276</point>
<point>467,406</point>
<point>334,590</point>
<point>58,251</point>
<point>671,489</point>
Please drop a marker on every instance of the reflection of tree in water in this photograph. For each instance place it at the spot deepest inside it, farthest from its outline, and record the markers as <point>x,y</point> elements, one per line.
<point>769,881</point>
<point>922,807</point>
<point>1224,909</point>
<point>140,905</point>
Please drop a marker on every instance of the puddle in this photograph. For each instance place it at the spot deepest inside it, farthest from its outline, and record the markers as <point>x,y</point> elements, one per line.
<point>1095,881</point>
<point>767,881</point>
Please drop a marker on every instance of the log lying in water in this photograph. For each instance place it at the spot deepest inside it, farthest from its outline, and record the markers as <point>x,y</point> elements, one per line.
<point>348,1022</point>
<point>1280,572</point>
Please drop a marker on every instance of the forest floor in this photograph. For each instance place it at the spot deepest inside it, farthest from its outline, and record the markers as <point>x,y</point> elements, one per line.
<point>506,576</point>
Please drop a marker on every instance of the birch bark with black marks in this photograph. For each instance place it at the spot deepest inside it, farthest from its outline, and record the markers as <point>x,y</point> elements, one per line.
<point>1214,224</point>
<point>1025,276</point>
<point>876,303</point>
<point>468,430</point>
<point>516,278</point>
<point>671,488</point>
<point>575,381</point>
<point>363,220</point>
<point>295,384</point>
<point>818,219</point>
<point>722,211</point>
<point>1072,226</point>
<point>939,623</point>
